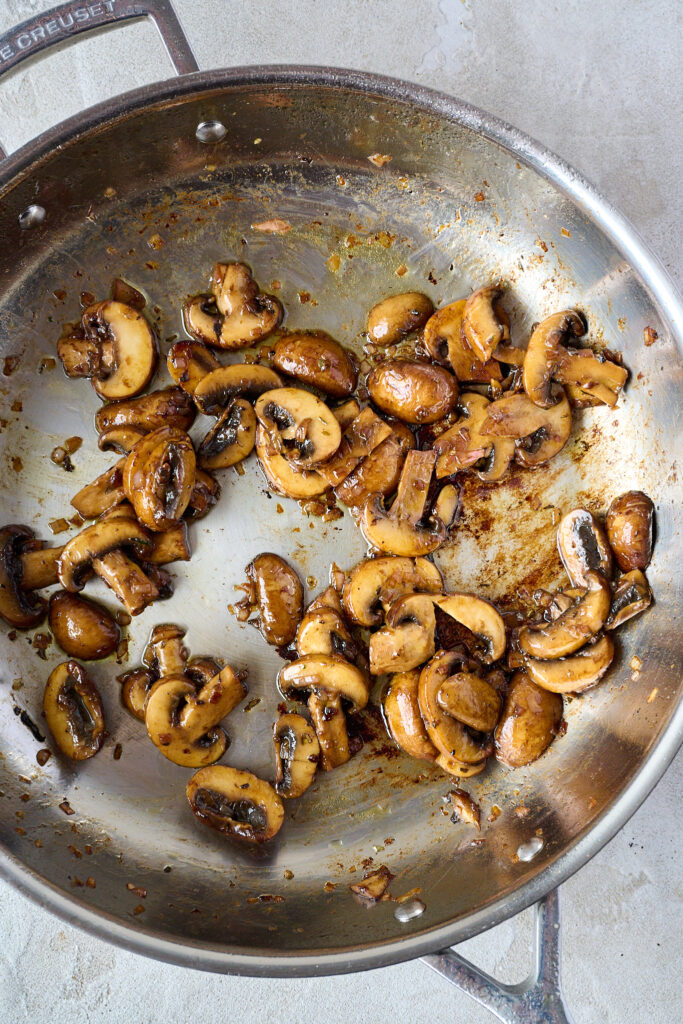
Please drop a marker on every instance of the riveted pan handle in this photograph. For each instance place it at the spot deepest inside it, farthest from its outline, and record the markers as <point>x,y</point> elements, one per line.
<point>71,19</point>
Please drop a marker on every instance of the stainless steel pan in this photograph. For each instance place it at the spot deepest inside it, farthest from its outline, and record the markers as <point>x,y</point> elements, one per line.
<point>464,199</point>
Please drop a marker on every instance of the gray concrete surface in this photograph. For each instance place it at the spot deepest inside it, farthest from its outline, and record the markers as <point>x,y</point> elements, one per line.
<point>600,83</point>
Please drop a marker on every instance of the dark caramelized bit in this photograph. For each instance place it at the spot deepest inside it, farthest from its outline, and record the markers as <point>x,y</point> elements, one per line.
<point>374,884</point>
<point>464,808</point>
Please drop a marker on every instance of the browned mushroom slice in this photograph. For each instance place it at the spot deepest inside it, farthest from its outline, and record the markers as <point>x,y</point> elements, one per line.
<point>598,378</point>
<point>317,359</point>
<point>120,439</point>
<point>374,884</point>
<point>19,607</point>
<point>82,628</point>
<point>444,340</point>
<point>38,565</point>
<point>205,494</point>
<point>403,719</point>
<point>325,673</point>
<point>407,639</point>
<point>631,596</point>
<point>346,412</point>
<point>480,617</point>
<point>297,753</point>
<point>380,471</point>
<point>277,592</point>
<point>135,687</point>
<point>413,392</point>
<point>448,504</point>
<point>629,530</point>
<point>166,654</point>
<point>231,439</point>
<point>464,446</point>
<point>583,546</point>
<point>470,699</point>
<point>573,628</point>
<point>238,315</point>
<point>529,723</point>
<point>159,477</point>
<point>235,803</point>
<point>546,351</point>
<point>450,736</point>
<point>105,492</point>
<point>575,673</point>
<point>404,529</point>
<point>301,427</point>
<point>464,808</point>
<point>240,380</point>
<point>484,322</point>
<point>398,315</point>
<point>540,433</point>
<point>74,712</point>
<point>128,349</point>
<point>363,435</point>
<point>323,631</point>
<point>189,362</point>
<point>286,477</point>
<point>329,722</point>
<point>374,584</point>
<point>169,407</point>
<point>171,546</point>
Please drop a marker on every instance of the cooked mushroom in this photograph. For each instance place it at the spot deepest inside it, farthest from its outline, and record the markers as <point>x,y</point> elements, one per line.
<point>236,803</point>
<point>232,437</point>
<point>450,736</point>
<point>118,352</point>
<point>374,584</point>
<point>464,446</point>
<point>360,438</point>
<point>169,407</point>
<point>407,639</point>
<point>286,477</point>
<point>38,564</point>
<point>448,504</point>
<point>583,546</point>
<point>276,590</point>
<point>484,322</point>
<point>413,392</point>
<point>445,342</point>
<point>629,530</point>
<point>166,654</point>
<point>346,412</point>
<point>374,885</point>
<point>104,492</point>
<point>598,379</point>
<point>481,618</point>
<point>464,808</point>
<point>329,722</point>
<point>171,546</point>
<point>323,631</point>
<point>405,529</point>
<point>189,362</point>
<point>19,606</point>
<point>573,628</point>
<point>631,596</point>
<point>530,721</point>
<point>299,425</point>
<point>205,494</point>
<point>74,712</point>
<point>237,315</point>
<point>575,673</point>
<point>391,319</point>
<point>297,753</point>
<point>82,628</point>
<point>183,723</point>
<point>540,433</point>
<point>240,380</point>
<point>317,359</point>
<point>470,699</point>
<point>403,719</point>
<point>120,439</point>
<point>159,477</point>
<point>380,471</point>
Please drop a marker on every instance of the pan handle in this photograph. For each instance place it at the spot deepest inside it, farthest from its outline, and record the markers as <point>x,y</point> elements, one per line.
<point>538,1000</point>
<point>76,16</point>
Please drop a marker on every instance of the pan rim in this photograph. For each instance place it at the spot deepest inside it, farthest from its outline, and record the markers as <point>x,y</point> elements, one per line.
<point>651,273</point>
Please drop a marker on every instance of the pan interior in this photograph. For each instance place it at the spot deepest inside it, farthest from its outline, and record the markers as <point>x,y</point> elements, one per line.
<point>142,199</point>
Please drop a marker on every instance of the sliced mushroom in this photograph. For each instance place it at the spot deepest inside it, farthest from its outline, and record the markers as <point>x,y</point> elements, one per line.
<point>236,803</point>
<point>346,413</point>
<point>205,494</point>
<point>583,546</point>
<point>575,673</point>
<point>231,439</point>
<point>82,628</point>
<point>323,631</point>
<point>159,477</point>
<point>413,392</point>
<point>317,359</point>
<point>166,654</point>
<point>464,446</point>
<point>104,492</point>
<point>74,712</point>
<point>481,618</point>
<point>470,699</point>
<point>380,471</point>
<point>19,607</point>
<point>374,885</point>
<point>119,351</point>
<point>599,379</point>
<point>189,362</point>
<point>403,719</point>
<point>546,351</point>
<point>530,721</point>
<point>573,628</point>
<point>240,380</point>
<point>301,427</point>
<point>135,687</point>
<point>171,546</point>
<point>329,598</point>
<point>183,724</point>
<point>407,639</point>
<point>445,342</point>
<point>38,565</point>
<point>120,439</point>
<point>398,315</point>
<point>326,674</point>
<point>464,808</point>
<point>237,315</point>
<point>631,596</point>
<point>450,736</point>
<point>374,584</point>
<point>448,504</point>
<point>629,530</point>
<point>169,407</point>
<point>362,436</point>
<point>329,722</point>
<point>484,323</point>
<point>276,590</point>
<point>404,529</point>
<point>297,753</point>
<point>286,477</point>
<point>458,768</point>
<point>541,433</point>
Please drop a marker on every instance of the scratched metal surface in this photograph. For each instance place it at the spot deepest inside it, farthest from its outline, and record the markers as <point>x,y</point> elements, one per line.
<point>301,154</point>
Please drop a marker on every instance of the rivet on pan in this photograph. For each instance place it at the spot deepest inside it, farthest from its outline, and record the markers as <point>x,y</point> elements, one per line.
<point>32,216</point>
<point>528,850</point>
<point>407,911</point>
<point>211,131</point>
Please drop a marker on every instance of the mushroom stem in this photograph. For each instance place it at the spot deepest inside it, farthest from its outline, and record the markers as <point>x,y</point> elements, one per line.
<point>39,568</point>
<point>125,577</point>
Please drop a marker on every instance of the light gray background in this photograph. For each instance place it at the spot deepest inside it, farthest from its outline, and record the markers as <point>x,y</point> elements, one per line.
<point>600,83</point>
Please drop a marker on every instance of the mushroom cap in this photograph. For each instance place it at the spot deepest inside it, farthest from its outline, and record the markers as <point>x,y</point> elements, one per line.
<point>286,477</point>
<point>398,315</point>
<point>82,628</point>
<point>303,428</point>
<point>73,711</point>
<point>464,446</point>
<point>325,673</point>
<point>94,542</point>
<point>133,346</point>
<point>573,628</point>
<point>236,803</point>
<point>380,471</point>
<point>279,595</point>
<point>449,736</point>
<point>19,608</point>
<point>183,724</point>
<point>484,324</point>
<point>360,438</point>
<point>297,752</point>
<point>329,722</point>
<point>316,359</point>
<point>403,719</point>
<point>237,314</point>
<point>470,699</point>
<point>231,439</point>
<point>529,723</point>
<point>167,407</point>
<point>575,673</point>
<point>323,631</point>
<point>413,392</point>
<point>547,429</point>
<point>189,362</point>
<point>404,530</point>
<point>376,583</point>
<point>407,639</point>
<point>159,477</point>
<point>546,351</point>
<point>583,546</point>
<point>630,597</point>
<point>480,617</point>
<point>240,380</point>
<point>445,342</point>
<point>101,494</point>
<point>629,524</point>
